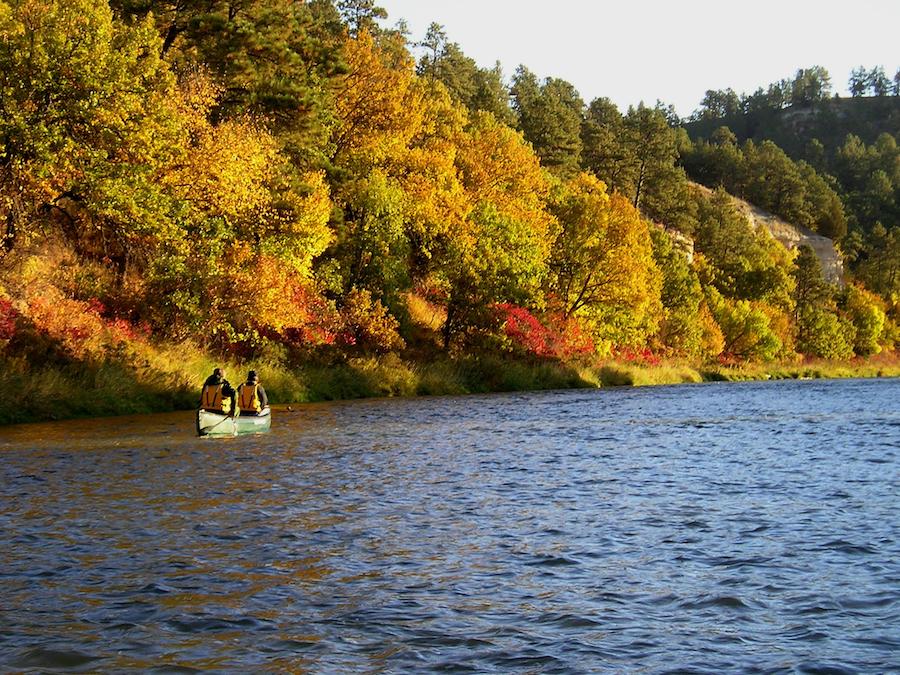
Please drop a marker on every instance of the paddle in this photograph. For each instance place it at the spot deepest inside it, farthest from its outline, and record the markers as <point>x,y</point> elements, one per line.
<point>208,429</point>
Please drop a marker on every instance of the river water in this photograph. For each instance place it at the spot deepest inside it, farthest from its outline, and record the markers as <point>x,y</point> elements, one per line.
<point>700,528</point>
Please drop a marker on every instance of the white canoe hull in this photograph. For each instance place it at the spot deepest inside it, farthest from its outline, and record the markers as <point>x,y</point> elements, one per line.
<point>216,424</point>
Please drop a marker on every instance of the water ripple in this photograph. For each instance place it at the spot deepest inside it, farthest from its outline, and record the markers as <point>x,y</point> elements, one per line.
<point>698,529</point>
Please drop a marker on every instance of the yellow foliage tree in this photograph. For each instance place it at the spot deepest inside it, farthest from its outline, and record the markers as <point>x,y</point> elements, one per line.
<point>85,129</point>
<point>436,200</point>
<point>258,296</point>
<point>378,105</point>
<point>251,226</point>
<point>293,226</point>
<point>235,171</point>
<point>225,168</point>
<point>497,166</point>
<point>499,252</point>
<point>866,311</point>
<point>602,266</point>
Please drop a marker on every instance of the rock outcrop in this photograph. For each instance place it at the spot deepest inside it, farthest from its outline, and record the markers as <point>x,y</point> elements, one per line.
<point>793,236</point>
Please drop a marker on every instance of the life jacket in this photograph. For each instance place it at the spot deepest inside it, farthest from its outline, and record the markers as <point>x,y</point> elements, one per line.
<point>248,397</point>
<point>212,399</point>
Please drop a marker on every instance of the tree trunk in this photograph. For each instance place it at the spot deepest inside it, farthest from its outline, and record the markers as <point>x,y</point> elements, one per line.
<point>640,186</point>
<point>171,34</point>
<point>447,329</point>
<point>9,237</point>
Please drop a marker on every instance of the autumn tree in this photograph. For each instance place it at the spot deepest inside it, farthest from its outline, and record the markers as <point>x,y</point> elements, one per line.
<point>86,128</point>
<point>681,328</point>
<point>378,106</point>
<point>866,311</point>
<point>499,251</point>
<point>273,57</point>
<point>746,328</point>
<point>397,183</point>
<point>250,226</point>
<point>602,267</point>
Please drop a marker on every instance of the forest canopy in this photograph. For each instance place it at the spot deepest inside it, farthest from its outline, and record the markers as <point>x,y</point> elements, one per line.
<point>292,178</point>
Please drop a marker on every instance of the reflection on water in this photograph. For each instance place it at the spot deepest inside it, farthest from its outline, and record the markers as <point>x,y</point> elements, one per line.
<point>705,528</point>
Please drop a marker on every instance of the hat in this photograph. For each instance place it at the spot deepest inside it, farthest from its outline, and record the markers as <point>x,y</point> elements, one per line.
<point>252,376</point>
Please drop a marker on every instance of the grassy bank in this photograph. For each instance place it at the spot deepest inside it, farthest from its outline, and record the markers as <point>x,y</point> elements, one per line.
<point>169,379</point>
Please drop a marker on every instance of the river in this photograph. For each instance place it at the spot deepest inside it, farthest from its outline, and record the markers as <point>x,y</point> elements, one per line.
<point>698,528</point>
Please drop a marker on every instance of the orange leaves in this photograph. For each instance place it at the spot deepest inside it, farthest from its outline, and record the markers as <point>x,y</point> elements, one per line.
<point>378,105</point>
<point>77,326</point>
<point>294,227</point>
<point>257,294</point>
<point>497,166</point>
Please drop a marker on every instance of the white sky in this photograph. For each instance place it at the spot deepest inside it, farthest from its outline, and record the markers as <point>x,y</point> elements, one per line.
<point>644,50</point>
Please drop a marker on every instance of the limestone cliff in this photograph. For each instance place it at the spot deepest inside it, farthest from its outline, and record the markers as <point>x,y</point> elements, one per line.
<point>793,236</point>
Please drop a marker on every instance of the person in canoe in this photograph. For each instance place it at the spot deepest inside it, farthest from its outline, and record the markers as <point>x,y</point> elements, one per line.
<point>252,397</point>
<point>218,395</point>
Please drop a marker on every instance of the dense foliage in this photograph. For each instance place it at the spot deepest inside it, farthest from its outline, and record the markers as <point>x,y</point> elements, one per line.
<point>841,154</point>
<point>286,180</point>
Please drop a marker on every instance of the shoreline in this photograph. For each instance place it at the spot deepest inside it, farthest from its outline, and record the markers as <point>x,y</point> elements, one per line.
<point>108,390</point>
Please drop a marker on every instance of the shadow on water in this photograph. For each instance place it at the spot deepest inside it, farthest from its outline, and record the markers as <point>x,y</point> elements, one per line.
<point>706,528</point>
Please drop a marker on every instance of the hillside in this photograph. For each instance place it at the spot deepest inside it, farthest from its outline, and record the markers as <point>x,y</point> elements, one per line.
<point>793,128</point>
<point>792,236</point>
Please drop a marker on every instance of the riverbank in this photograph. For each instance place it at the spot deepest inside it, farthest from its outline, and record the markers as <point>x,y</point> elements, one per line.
<point>169,379</point>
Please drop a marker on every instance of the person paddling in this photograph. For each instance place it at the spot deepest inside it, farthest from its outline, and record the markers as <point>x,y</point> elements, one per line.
<point>217,394</point>
<point>252,395</point>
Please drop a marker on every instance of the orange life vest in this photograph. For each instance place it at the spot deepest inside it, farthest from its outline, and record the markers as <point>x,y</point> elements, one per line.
<point>212,399</point>
<point>248,398</point>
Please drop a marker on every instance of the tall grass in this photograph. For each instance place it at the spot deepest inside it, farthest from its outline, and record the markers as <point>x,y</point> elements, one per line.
<point>168,377</point>
<point>616,374</point>
<point>878,366</point>
<point>84,390</point>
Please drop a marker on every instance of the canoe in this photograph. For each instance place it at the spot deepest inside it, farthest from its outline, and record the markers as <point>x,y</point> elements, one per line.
<point>217,424</point>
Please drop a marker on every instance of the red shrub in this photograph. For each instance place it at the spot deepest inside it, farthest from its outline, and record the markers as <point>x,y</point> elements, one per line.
<point>557,337</point>
<point>639,355</point>
<point>523,329</point>
<point>569,339</point>
<point>8,316</point>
